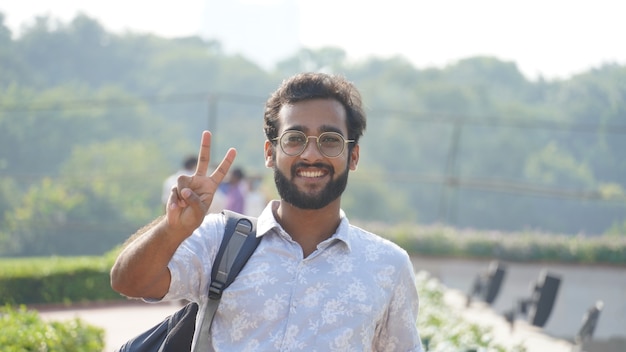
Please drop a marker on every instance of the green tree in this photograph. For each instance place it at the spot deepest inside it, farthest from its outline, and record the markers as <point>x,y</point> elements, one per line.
<point>123,173</point>
<point>72,86</point>
<point>105,191</point>
<point>38,225</point>
<point>554,166</point>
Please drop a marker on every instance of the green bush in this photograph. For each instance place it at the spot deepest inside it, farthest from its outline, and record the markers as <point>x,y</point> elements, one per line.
<point>24,330</point>
<point>443,329</point>
<point>55,280</point>
<point>85,279</point>
<point>514,247</point>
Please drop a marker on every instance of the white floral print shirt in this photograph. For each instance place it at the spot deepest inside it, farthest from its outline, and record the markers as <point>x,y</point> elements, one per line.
<point>356,292</point>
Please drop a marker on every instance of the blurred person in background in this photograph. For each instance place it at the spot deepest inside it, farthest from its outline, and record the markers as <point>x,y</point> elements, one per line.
<point>235,191</point>
<point>188,167</point>
<point>255,200</point>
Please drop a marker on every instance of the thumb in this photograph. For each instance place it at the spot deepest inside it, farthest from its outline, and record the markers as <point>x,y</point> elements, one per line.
<point>198,208</point>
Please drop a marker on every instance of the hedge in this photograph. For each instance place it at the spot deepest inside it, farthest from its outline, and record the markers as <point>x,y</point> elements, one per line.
<point>24,330</point>
<point>56,280</point>
<point>81,279</point>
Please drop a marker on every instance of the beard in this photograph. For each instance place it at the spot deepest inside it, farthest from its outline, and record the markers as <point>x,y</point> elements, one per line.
<point>290,193</point>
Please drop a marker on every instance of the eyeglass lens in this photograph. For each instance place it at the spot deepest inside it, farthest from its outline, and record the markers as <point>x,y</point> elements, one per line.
<point>330,144</point>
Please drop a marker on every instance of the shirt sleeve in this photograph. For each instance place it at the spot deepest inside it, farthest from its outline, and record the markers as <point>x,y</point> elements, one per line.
<point>399,329</point>
<point>191,265</point>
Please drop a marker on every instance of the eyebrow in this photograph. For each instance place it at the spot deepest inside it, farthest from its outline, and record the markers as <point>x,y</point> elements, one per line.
<point>322,129</point>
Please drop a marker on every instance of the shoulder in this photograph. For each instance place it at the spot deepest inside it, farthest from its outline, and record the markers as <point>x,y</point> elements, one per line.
<point>208,235</point>
<point>367,242</point>
<point>212,225</point>
<point>388,263</point>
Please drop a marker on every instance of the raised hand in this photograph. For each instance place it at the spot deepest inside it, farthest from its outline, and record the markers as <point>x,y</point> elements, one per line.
<point>191,198</point>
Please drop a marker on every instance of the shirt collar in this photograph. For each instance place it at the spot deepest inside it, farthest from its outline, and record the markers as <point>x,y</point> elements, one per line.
<point>266,222</point>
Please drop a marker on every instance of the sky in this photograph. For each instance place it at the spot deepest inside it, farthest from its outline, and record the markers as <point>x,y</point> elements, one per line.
<point>551,38</point>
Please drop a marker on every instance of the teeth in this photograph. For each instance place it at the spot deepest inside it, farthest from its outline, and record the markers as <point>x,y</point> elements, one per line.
<point>311,174</point>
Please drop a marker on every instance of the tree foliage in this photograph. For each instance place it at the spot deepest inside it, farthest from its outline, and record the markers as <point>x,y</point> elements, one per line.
<point>91,122</point>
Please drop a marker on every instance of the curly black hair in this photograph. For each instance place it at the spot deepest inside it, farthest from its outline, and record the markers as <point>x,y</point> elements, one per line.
<point>307,86</point>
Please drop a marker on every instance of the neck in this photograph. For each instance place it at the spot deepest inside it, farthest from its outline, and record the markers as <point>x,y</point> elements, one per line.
<point>308,227</point>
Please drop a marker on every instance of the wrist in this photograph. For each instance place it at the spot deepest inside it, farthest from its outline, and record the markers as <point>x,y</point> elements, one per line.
<point>173,231</point>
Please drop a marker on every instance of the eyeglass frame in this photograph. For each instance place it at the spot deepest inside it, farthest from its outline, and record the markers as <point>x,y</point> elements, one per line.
<point>317,142</point>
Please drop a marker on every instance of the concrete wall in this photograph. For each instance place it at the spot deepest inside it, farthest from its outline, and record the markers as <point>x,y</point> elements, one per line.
<point>581,286</point>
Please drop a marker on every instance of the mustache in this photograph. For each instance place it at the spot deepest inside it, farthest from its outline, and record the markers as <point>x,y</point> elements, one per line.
<point>306,165</point>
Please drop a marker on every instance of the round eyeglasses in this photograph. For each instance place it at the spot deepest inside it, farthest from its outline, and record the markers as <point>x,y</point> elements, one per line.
<point>330,144</point>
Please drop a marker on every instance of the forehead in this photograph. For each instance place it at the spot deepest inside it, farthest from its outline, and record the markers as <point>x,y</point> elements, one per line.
<point>316,115</point>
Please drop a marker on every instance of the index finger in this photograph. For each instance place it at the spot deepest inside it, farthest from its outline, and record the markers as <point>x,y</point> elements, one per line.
<point>204,155</point>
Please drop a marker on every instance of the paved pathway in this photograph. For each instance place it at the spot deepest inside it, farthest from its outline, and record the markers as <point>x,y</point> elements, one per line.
<point>125,320</point>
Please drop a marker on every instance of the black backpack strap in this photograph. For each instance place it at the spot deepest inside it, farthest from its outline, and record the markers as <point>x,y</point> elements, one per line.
<point>237,246</point>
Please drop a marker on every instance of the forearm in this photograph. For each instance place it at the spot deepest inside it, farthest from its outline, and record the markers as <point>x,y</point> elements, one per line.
<point>141,270</point>
<point>142,231</point>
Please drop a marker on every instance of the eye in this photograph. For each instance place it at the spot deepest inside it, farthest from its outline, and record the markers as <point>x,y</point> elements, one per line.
<point>294,138</point>
<point>330,139</point>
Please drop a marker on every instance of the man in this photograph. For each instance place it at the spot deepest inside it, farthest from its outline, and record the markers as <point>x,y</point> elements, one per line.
<point>315,283</point>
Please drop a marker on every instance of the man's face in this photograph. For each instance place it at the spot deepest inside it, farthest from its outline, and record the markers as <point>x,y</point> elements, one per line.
<point>311,180</point>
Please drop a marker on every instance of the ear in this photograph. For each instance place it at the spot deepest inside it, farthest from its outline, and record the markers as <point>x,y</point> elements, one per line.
<point>354,157</point>
<point>268,151</point>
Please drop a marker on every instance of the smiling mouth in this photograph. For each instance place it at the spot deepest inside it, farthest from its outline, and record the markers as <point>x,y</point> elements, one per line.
<point>312,174</point>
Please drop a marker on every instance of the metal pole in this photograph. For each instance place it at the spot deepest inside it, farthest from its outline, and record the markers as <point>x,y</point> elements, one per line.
<point>447,212</point>
<point>212,123</point>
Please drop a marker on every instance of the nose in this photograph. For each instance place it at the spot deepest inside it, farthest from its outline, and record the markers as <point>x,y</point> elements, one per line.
<point>311,150</point>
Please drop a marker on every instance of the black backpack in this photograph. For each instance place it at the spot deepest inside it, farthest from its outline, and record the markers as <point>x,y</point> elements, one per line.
<point>175,333</point>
